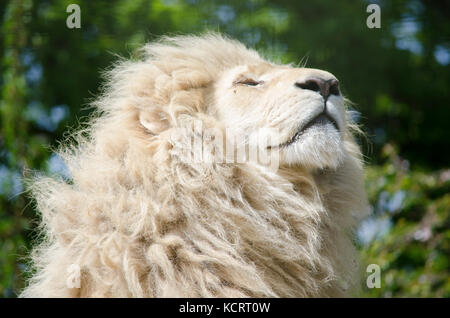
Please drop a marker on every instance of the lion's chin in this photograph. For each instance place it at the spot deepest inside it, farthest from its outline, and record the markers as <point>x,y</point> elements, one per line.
<point>319,147</point>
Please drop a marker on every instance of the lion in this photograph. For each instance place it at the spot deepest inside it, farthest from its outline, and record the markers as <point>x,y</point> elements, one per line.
<point>138,219</point>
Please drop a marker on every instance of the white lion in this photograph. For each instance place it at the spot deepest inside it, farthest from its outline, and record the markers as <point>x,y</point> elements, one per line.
<point>139,220</point>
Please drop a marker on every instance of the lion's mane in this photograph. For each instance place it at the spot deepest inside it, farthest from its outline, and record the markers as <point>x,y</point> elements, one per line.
<point>138,221</point>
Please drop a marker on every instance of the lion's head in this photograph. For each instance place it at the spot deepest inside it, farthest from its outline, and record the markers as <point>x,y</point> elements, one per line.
<point>300,110</point>
<point>141,220</point>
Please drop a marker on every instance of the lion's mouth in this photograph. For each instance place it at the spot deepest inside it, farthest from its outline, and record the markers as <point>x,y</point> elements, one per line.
<point>320,120</point>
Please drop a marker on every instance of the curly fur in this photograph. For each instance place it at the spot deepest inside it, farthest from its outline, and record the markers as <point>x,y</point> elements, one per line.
<point>140,222</point>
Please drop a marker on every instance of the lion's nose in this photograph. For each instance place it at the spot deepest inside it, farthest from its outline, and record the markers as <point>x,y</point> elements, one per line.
<point>324,87</point>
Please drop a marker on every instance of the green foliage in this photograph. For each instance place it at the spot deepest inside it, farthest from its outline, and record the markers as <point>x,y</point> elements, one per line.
<point>398,77</point>
<point>414,253</point>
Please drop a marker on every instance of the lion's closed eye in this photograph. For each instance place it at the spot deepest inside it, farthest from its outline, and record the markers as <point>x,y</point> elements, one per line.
<point>248,82</point>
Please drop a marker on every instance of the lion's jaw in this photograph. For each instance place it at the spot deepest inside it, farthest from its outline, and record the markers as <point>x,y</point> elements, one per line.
<point>304,127</point>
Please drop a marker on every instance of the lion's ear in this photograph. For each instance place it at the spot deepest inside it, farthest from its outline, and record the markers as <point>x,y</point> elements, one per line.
<point>154,121</point>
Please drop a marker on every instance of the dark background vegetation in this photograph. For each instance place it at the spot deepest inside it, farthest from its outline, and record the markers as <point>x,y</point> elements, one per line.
<point>397,76</point>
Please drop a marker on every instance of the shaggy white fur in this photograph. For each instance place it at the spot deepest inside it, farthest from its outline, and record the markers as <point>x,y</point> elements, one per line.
<point>141,221</point>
